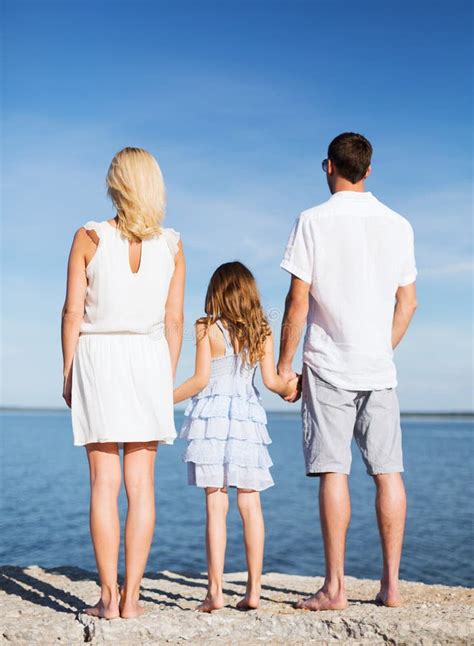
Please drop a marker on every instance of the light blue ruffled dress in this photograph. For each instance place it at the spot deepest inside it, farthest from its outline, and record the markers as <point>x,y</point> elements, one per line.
<point>225,426</point>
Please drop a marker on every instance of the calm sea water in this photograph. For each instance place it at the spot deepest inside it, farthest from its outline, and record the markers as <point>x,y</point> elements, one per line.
<point>45,495</point>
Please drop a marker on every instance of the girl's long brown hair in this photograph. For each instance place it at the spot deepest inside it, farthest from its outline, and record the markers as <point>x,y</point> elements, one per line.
<point>232,296</point>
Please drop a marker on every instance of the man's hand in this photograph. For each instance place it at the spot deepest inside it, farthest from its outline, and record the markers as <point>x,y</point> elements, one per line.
<point>297,394</point>
<point>288,374</point>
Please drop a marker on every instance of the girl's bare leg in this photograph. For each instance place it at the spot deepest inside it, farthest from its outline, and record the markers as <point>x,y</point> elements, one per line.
<point>217,506</point>
<point>105,476</point>
<point>250,509</point>
<point>138,473</point>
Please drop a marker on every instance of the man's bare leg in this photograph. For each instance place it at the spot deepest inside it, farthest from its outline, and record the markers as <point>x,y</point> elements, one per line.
<point>335,511</point>
<point>390,504</point>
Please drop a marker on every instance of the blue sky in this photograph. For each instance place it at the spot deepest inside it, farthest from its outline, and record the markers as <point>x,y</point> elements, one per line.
<point>238,101</point>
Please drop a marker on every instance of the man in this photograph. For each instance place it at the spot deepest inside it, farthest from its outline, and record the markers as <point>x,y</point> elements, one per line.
<point>352,267</point>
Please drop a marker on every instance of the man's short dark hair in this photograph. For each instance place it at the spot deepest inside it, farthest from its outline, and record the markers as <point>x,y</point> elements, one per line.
<point>351,153</point>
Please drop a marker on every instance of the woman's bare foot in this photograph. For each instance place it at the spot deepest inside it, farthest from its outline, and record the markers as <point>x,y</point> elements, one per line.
<point>211,602</point>
<point>130,607</point>
<point>322,600</point>
<point>389,596</point>
<point>104,611</point>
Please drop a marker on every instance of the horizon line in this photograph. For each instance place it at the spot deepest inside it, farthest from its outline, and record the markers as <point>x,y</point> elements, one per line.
<point>408,413</point>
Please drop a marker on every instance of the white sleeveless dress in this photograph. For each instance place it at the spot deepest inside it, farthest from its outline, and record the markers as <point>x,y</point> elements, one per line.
<point>122,385</point>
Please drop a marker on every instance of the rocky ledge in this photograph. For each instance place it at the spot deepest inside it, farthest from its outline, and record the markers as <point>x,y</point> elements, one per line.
<point>44,607</point>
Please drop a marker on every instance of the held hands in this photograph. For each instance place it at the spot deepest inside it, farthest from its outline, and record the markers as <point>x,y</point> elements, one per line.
<point>293,380</point>
<point>293,389</point>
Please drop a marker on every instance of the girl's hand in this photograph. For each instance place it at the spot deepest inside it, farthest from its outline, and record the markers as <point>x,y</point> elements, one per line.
<point>293,392</point>
<point>67,388</point>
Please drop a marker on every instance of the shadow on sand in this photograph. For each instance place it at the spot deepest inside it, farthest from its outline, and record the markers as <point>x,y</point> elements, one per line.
<point>23,583</point>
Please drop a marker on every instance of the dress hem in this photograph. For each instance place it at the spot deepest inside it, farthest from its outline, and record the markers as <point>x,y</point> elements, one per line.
<point>161,440</point>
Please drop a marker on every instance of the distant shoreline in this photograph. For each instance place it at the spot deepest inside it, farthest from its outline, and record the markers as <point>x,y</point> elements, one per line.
<point>404,414</point>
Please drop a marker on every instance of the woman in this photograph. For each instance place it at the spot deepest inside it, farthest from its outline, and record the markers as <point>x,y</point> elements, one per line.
<point>122,328</point>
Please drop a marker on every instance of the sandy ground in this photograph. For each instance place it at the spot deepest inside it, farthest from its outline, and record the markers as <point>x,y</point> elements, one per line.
<point>45,607</point>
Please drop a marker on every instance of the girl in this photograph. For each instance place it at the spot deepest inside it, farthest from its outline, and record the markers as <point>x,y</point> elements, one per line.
<point>121,335</point>
<point>225,421</point>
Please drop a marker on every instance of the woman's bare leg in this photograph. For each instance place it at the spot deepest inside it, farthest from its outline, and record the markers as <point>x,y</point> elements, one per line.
<point>250,509</point>
<point>138,474</point>
<point>217,506</point>
<point>105,476</point>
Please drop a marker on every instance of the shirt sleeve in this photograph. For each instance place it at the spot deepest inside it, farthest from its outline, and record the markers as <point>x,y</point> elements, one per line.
<point>299,252</point>
<point>408,270</point>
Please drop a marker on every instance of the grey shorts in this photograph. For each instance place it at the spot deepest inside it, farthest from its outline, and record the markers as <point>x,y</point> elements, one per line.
<point>332,416</point>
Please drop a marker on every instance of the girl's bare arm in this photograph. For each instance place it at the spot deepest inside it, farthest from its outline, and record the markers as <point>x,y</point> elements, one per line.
<point>271,379</point>
<point>202,369</point>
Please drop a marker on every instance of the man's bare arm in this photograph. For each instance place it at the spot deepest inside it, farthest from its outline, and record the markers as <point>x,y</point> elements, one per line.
<point>294,321</point>
<point>404,309</point>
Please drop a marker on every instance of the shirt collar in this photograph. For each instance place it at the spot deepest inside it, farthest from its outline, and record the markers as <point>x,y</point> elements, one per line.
<point>353,195</point>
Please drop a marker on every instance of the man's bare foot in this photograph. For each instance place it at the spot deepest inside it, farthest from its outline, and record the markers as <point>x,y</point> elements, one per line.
<point>211,602</point>
<point>104,611</point>
<point>249,602</point>
<point>389,597</point>
<point>322,600</point>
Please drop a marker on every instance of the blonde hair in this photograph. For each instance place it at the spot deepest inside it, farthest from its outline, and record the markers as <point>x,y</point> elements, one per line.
<point>232,296</point>
<point>137,190</point>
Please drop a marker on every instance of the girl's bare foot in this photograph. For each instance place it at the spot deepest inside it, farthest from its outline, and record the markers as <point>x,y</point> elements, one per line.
<point>104,611</point>
<point>323,600</point>
<point>389,596</point>
<point>249,602</point>
<point>211,602</point>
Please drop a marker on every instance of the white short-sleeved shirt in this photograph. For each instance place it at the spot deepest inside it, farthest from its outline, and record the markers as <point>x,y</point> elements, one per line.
<point>354,252</point>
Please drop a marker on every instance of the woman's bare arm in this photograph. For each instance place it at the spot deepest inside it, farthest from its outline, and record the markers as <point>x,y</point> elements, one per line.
<point>271,379</point>
<point>73,311</point>
<point>174,317</point>
<point>202,370</point>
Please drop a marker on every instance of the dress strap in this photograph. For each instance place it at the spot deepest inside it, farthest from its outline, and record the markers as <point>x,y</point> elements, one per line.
<point>94,226</point>
<point>228,343</point>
